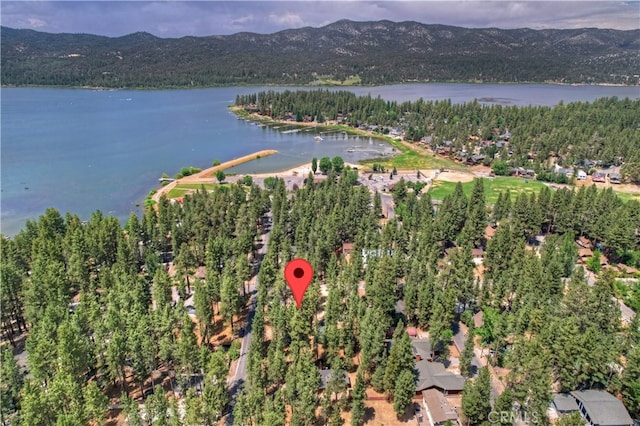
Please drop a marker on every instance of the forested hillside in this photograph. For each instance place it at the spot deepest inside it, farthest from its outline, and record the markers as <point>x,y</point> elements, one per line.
<point>367,52</point>
<point>545,323</point>
<point>606,130</point>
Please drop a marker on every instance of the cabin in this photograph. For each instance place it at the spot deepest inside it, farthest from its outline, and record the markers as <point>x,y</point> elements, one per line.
<point>477,254</point>
<point>478,319</point>
<point>325,378</point>
<point>597,407</point>
<point>475,159</point>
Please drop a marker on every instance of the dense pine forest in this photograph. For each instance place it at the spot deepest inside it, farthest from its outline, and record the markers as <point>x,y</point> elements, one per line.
<point>98,309</point>
<point>369,53</point>
<point>606,131</point>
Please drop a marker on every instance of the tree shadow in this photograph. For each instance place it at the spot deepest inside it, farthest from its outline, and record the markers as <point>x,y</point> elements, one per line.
<point>369,414</point>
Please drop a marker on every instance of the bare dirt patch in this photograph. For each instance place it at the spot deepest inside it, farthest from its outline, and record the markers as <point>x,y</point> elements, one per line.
<point>452,176</point>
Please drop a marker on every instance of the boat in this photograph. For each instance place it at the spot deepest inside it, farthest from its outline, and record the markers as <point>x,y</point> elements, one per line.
<point>318,138</point>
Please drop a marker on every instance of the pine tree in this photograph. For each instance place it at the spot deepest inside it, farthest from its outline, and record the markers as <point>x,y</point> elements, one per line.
<point>400,358</point>
<point>476,404</point>
<point>403,392</point>
<point>358,397</point>
<point>466,358</point>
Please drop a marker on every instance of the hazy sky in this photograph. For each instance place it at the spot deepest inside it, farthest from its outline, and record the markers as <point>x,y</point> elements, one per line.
<point>178,18</point>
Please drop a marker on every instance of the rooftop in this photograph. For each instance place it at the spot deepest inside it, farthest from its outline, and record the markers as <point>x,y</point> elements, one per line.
<point>422,348</point>
<point>325,377</point>
<point>438,406</point>
<point>603,408</point>
<point>565,402</point>
<point>434,375</point>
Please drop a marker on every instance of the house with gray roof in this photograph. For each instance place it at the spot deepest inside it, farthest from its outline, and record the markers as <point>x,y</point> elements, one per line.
<point>422,349</point>
<point>600,408</point>
<point>564,403</point>
<point>325,378</point>
<point>432,375</point>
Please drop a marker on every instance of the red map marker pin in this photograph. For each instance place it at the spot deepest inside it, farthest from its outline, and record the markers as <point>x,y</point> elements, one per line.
<point>298,273</point>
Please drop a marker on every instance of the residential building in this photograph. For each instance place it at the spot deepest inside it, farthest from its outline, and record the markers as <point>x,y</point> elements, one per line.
<point>432,375</point>
<point>438,409</point>
<point>600,408</point>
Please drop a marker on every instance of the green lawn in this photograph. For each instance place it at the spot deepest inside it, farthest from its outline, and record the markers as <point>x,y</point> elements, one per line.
<point>492,187</point>
<point>183,188</point>
<point>411,160</point>
<point>626,196</point>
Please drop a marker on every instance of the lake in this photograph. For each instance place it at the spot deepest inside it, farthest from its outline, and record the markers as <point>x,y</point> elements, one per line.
<point>82,150</point>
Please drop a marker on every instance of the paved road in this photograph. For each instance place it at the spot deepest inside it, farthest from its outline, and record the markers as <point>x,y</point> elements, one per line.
<point>388,208</point>
<point>237,382</point>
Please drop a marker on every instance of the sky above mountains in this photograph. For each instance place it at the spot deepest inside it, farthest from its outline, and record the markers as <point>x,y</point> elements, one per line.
<point>202,18</point>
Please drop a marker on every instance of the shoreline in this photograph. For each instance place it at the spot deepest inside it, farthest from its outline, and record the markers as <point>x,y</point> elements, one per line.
<point>144,88</point>
<point>206,175</point>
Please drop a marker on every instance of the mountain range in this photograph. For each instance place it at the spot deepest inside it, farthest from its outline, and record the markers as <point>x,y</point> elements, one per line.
<point>381,52</point>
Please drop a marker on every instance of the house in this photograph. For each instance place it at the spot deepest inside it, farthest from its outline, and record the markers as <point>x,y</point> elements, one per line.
<point>477,254</point>
<point>325,378</point>
<point>582,175</point>
<point>478,320</point>
<point>564,403</point>
<point>520,171</point>
<point>438,410</point>
<point>600,408</point>
<point>615,178</point>
<point>489,232</point>
<point>347,248</point>
<point>475,159</point>
<point>422,349</point>
<point>599,176</point>
<point>584,253</point>
<point>583,242</point>
<point>432,375</point>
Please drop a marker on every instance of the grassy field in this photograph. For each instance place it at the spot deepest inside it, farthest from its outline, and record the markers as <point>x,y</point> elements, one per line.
<point>183,188</point>
<point>408,159</point>
<point>492,187</point>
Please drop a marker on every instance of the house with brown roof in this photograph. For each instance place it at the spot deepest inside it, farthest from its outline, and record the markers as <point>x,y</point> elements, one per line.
<point>438,409</point>
<point>478,319</point>
<point>477,254</point>
<point>489,232</point>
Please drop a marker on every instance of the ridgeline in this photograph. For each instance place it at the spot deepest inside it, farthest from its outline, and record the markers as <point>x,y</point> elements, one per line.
<point>344,52</point>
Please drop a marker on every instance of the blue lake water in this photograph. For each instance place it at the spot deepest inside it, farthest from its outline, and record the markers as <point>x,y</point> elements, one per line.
<point>83,150</point>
